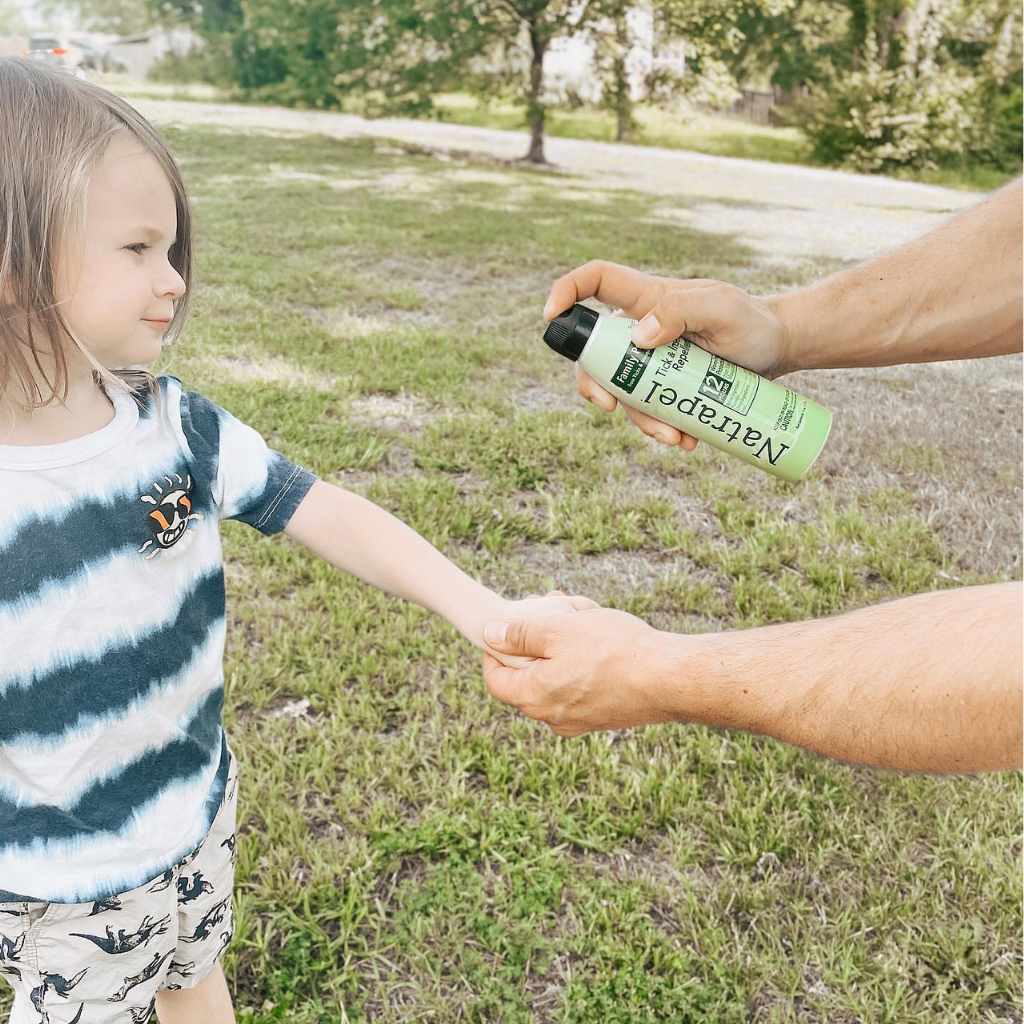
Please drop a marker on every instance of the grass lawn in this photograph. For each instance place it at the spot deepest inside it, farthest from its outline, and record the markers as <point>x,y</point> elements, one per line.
<point>410,850</point>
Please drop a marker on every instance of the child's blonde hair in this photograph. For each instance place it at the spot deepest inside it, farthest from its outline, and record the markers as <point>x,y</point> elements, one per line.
<point>54,129</point>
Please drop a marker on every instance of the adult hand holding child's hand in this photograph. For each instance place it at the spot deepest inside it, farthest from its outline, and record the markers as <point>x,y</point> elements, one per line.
<point>582,670</point>
<point>535,608</point>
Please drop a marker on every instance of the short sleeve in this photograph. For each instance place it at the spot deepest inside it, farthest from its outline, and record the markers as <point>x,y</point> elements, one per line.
<point>250,481</point>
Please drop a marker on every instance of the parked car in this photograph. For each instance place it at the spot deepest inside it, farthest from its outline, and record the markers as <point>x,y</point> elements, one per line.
<point>52,50</point>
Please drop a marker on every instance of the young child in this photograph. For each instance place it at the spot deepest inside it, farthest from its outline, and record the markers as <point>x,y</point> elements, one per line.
<point>117,783</point>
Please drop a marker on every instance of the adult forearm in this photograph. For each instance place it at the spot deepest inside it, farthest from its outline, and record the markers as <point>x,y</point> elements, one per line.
<point>927,683</point>
<point>953,293</point>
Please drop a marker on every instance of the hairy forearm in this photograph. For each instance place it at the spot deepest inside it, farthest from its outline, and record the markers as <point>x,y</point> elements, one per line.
<point>355,535</point>
<point>928,683</point>
<point>953,293</point>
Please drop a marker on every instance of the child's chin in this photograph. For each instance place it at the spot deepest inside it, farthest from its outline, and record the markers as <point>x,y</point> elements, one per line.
<point>144,353</point>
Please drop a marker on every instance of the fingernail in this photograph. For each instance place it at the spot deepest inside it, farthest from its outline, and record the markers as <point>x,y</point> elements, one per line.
<point>664,437</point>
<point>549,310</point>
<point>494,632</point>
<point>647,330</point>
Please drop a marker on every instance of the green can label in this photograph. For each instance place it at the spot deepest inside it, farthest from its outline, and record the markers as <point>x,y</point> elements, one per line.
<point>631,369</point>
<point>730,385</point>
<point>728,406</point>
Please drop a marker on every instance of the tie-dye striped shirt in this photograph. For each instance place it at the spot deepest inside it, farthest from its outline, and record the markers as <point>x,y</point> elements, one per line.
<point>113,760</point>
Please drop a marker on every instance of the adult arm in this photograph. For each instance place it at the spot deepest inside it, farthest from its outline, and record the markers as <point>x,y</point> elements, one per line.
<point>929,683</point>
<point>953,293</point>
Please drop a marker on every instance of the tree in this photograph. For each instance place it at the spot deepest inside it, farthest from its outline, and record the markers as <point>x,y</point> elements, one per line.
<point>613,40</point>
<point>487,46</point>
<point>893,83</point>
<point>782,43</point>
<point>932,84</point>
<point>397,54</point>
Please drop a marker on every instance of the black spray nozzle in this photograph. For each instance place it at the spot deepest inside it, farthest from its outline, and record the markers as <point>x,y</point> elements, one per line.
<point>570,331</point>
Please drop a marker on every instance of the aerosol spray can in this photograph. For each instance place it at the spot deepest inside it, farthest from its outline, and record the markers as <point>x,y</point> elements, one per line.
<point>733,409</point>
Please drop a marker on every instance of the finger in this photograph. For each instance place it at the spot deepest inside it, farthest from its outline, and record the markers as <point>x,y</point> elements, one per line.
<point>581,603</point>
<point>514,661</point>
<point>509,685</point>
<point>654,428</point>
<point>611,283</point>
<point>593,392</point>
<point>568,731</point>
<point>686,307</point>
<point>530,638</point>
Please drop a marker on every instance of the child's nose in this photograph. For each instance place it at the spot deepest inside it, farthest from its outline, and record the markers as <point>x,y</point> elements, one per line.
<point>173,284</point>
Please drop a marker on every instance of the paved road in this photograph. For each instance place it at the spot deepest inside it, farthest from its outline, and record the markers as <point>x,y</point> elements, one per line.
<point>785,212</point>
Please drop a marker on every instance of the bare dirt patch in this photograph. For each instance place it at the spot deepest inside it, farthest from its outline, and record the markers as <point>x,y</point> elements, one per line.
<point>949,433</point>
<point>266,369</point>
<point>353,324</point>
<point>393,412</point>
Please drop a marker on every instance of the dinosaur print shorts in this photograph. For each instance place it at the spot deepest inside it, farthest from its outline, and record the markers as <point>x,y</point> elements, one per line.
<point>104,962</point>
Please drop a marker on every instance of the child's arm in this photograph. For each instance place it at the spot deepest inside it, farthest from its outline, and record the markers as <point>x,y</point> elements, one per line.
<point>355,535</point>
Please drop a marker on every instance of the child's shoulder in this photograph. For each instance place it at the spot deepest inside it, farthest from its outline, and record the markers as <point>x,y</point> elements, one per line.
<point>182,397</point>
<point>192,414</point>
<point>169,385</point>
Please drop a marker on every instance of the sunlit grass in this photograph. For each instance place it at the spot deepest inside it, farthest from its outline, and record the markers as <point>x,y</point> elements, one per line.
<point>410,850</point>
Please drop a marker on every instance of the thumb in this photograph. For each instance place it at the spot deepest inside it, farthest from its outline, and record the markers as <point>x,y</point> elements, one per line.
<point>531,639</point>
<point>679,311</point>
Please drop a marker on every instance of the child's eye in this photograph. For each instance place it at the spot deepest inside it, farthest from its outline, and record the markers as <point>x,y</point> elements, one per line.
<point>137,247</point>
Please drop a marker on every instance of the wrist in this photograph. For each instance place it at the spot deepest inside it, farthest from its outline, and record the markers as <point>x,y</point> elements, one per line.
<point>711,680</point>
<point>664,675</point>
<point>483,606</point>
<point>788,311</point>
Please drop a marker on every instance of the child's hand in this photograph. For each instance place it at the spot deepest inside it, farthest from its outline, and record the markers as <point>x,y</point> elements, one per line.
<point>536,607</point>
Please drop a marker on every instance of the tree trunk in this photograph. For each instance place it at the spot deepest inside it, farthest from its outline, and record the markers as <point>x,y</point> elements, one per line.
<point>623,99</point>
<point>534,106</point>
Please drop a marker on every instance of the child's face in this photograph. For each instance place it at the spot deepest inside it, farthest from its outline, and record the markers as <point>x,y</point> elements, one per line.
<point>118,291</point>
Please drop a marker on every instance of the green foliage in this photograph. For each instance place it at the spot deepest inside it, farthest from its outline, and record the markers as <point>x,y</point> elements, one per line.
<point>885,85</point>
<point>893,84</point>
<point>205,63</point>
<point>234,53</point>
<point>934,85</point>
<point>612,41</point>
<point>385,56</point>
<point>878,120</point>
<point>1002,109</point>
